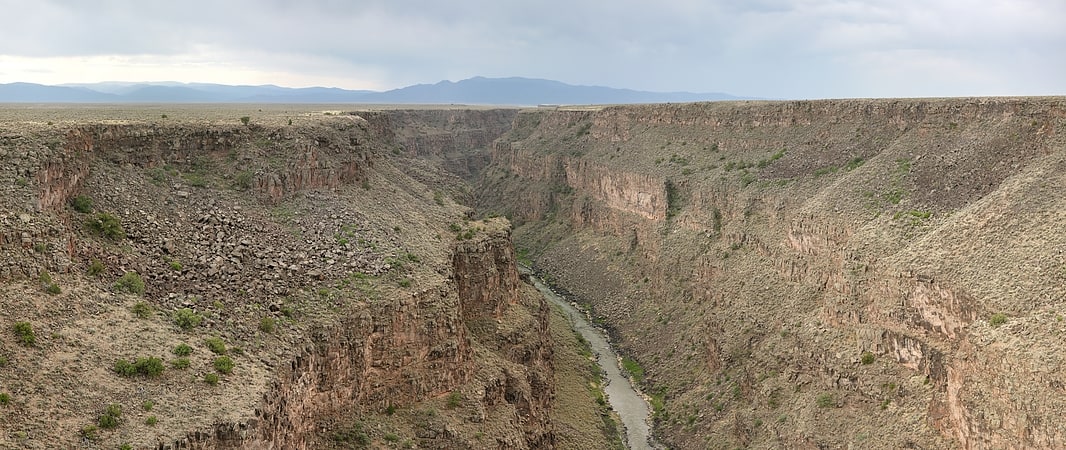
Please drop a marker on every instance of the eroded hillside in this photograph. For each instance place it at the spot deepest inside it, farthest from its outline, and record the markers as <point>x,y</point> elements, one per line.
<point>260,283</point>
<point>815,274</point>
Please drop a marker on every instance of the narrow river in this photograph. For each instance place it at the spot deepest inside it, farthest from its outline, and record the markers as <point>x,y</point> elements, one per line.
<point>622,396</point>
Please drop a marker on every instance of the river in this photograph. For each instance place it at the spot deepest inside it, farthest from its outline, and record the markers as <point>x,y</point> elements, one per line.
<point>621,394</point>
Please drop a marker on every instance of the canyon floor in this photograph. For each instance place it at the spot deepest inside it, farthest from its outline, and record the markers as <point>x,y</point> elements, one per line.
<point>880,273</point>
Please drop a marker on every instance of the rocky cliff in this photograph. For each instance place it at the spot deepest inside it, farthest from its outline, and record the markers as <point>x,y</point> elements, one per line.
<point>814,273</point>
<point>349,312</point>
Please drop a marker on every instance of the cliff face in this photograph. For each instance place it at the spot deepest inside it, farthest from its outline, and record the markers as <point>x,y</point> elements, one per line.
<point>302,246</point>
<point>832,263</point>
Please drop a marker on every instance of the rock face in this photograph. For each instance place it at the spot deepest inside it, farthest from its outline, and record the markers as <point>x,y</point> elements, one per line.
<point>818,256</point>
<point>310,228</point>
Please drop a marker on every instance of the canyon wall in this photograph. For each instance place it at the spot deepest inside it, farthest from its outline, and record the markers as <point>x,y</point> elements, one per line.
<point>878,266</point>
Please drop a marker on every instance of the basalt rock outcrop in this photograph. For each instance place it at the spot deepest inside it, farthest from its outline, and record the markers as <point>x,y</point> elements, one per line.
<point>885,268</point>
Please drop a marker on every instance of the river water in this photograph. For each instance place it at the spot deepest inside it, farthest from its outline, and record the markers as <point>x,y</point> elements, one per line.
<point>621,395</point>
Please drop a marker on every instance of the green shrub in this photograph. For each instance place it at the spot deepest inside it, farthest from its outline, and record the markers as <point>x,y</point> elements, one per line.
<point>44,277</point>
<point>997,319</point>
<point>147,405</point>
<point>151,420</point>
<point>5,398</point>
<point>110,418</point>
<point>267,324</point>
<point>25,334</point>
<point>216,345</point>
<point>125,447</point>
<point>142,310</point>
<point>108,226</point>
<point>454,400</point>
<point>53,289</point>
<point>82,204</point>
<point>95,267</point>
<point>224,364</point>
<point>211,378</point>
<point>245,120</point>
<point>130,282</point>
<point>867,358</point>
<point>187,319</point>
<point>243,181</point>
<point>180,363</point>
<point>150,366</point>
<point>182,350</point>
<point>89,432</point>
<point>175,266</point>
<point>826,400</point>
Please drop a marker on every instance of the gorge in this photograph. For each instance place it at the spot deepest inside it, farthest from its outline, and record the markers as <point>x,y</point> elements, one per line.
<point>803,274</point>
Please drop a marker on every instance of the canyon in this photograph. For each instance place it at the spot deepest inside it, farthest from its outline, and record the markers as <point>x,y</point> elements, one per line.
<point>800,274</point>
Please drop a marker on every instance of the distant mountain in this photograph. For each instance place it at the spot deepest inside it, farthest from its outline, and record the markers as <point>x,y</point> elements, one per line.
<point>477,90</point>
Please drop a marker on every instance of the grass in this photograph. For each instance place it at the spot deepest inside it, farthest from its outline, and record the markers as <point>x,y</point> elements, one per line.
<point>454,400</point>
<point>267,324</point>
<point>633,368</point>
<point>825,400</point>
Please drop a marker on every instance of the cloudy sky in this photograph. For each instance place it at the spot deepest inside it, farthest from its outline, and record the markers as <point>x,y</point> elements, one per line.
<point>762,48</point>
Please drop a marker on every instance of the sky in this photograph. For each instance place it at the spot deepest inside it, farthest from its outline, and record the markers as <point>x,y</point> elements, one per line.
<point>788,49</point>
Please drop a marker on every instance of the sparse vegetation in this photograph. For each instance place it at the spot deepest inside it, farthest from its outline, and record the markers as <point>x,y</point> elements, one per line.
<point>997,319</point>
<point>211,378</point>
<point>142,310</point>
<point>187,319</point>
<point>216,345</point>
<point>867,358</point>
<point>223,364</point>
<point>826,400</point>
<point>633,368</point>
<point>130,282</point>
<point>5,398</point>
<point>107,225</point>
<point>180,363</point>
<point>24,333</point>
<point>267,324</point>
<point>151,421</point>
<point>150,366</point>
<point>95,268</point>
<point>82,204</point>
<point>352,435</point>
<point>111,418</point>
<point>454,400</point>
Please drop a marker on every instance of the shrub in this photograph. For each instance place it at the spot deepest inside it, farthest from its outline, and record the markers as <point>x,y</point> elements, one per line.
<point>110,417</point>
<point>216,345</point>
<point>151,420</point>
<point>454,400</point>
<point>24,332</point>
<point>130,282</point>
<point>187,319</point>
<point>5,398</point>
<point>150,366</point>
<point>180,363</point>
<point>82,204</point>
<point>147,405</point>
<point>53,289</point>
<point>175,266</point>
<point>182,350</point>
<point>107,225</point>
<point>44,277</point>
<point>267,324</point>
<point>211,378</point>
<point>89,432</point>
<point>997,319</point>
<point>867,358</point>
<point>142,310</point>
<point>95,267</point>
<point>224,364</point>
<point>826,400</point>
<point>245,120</point>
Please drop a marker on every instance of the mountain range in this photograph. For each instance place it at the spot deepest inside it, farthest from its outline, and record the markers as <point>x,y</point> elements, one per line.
<point>477,91</point>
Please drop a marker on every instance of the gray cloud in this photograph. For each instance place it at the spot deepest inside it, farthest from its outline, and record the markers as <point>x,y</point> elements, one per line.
<point>768,48</point>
